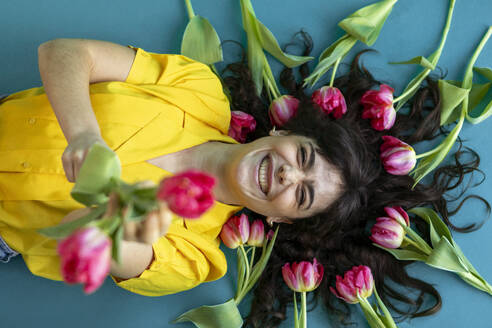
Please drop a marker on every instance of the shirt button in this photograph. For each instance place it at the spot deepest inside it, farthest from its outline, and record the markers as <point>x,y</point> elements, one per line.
<point>26,164</point>
<point>32,120</point>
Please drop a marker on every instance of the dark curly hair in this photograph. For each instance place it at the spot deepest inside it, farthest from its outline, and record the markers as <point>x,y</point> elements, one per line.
<point>338,237</point>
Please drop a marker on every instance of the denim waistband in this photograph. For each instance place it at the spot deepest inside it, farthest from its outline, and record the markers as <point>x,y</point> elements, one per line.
<point>6,253</point>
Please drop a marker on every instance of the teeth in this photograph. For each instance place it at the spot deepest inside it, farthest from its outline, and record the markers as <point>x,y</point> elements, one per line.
<point>262,175</point>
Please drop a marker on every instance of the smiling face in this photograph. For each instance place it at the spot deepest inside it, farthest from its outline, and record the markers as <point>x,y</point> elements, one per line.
<point>283,176</point>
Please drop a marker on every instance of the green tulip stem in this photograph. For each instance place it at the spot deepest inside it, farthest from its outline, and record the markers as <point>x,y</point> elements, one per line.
<point>268,77</point>
<point>303,310</point>
<point>374,320</point>
<point>435,55</point>
<point>430,152</point>
<point>252,258</point>
<point>246,265</point>
<point>189,8</point>
<point>333,73</point>
<point>296,316</point>
<point>417,245</point>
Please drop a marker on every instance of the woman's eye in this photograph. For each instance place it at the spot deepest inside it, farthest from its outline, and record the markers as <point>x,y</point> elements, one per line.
<point>303,156</point>
<point>303,196</point>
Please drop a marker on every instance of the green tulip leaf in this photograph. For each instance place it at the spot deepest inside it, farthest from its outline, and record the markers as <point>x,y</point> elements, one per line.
<point>451,97</point>
<point>370,314</point>
<point>270,44</point>
<point>438,228</point>
<point>477,94</point>
<point>100,170</point>
<point>224,315</point>
<point>420,60</point>
<point>339,49</point>
<point>476,281</point>
<point>485,71</point>
<point>65,229</point>
<point>256,57</point>
<point>444,257</point>
<point>430,162</point>
<point>201,42</point>
<point>366,23</point>
<point>404,255</point>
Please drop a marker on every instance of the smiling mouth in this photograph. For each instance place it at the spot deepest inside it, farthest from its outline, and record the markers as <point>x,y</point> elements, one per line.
<point>263,174</point>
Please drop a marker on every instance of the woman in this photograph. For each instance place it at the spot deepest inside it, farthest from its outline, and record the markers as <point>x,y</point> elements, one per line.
<point>172,116</point>
<point>168,114</point>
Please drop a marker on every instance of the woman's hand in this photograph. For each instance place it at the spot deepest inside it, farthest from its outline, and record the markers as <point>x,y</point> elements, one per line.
<point>74,155</point>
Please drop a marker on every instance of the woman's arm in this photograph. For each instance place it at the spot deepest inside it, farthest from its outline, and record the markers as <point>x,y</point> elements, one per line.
<point>67,66</point>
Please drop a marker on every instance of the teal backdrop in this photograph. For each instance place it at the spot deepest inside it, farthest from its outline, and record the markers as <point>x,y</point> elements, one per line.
<point>413,28</point>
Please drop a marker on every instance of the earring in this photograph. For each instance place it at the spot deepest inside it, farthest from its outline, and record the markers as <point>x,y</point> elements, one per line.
<point>272,131</point>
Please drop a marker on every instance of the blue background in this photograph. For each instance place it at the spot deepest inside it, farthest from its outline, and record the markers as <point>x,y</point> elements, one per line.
<point>413,28</point>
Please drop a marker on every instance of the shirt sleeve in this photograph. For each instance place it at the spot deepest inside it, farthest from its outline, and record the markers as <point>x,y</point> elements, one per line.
<point>184,83</point>
<point>182,260</point>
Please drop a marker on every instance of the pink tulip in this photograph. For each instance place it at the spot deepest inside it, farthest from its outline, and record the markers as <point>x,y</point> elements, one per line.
<point>188,194</point>
<point>270,234</point>
<point>398,158</point>
<point>241,125</point>
<point>236,231</point>
<point>378,106</point>
<point>331,100</point>
<point>282,110</point>
<point>303,276</point>
<point>358,280</point>
<point>256,234</point>
<point>387,233</point>
<point>85,258</point>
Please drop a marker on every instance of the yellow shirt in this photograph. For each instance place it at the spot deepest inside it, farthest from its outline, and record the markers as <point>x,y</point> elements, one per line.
<point>168,103</point>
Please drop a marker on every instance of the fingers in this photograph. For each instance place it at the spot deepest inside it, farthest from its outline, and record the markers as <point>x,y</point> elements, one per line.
<point>72,162</point>
<point>165,218</point>
<point>150,228</point>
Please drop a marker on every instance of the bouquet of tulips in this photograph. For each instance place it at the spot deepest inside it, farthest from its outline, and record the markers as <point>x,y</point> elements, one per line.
<point>88,243</point>
<point>238,234</point>
<point>393,234</point>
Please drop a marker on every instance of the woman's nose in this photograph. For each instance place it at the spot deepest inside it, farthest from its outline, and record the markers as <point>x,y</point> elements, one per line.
<point>287,174</point>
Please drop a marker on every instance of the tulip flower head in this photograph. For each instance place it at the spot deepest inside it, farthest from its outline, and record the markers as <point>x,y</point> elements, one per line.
<point>303,276</point>
<point>85,258</point>
<point>356,283</point>
<point>378,106</point>
<point>188,194</point>
<point>398,158</point>
<point>387,232</point>
<point>236,231</point>
<point>331,100</point>
<point>241,125</point>
<point>256,234</point>
<point>282,110</point>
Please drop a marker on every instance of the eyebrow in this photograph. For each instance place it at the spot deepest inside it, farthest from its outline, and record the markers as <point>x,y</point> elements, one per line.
<point>309,166</point>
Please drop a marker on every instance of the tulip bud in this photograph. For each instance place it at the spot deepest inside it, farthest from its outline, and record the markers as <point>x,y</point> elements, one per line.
<point>398,158</point>
<point>331,100</point>
<point>270,234</point>
<point>241,125</point>
<point>236,231</point>
<point>282,110</point>
<point>358,280</point>
<point>378,106</point>
<point>303,276</point>
<point>256,234</point>
<point>188,194</point>
<point>85,258</point>
<point>397,213</point>
<point>387,233</point>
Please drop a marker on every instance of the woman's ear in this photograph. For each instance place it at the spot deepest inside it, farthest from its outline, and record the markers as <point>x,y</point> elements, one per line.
<point>274,219</point>
<point>276,133</point>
